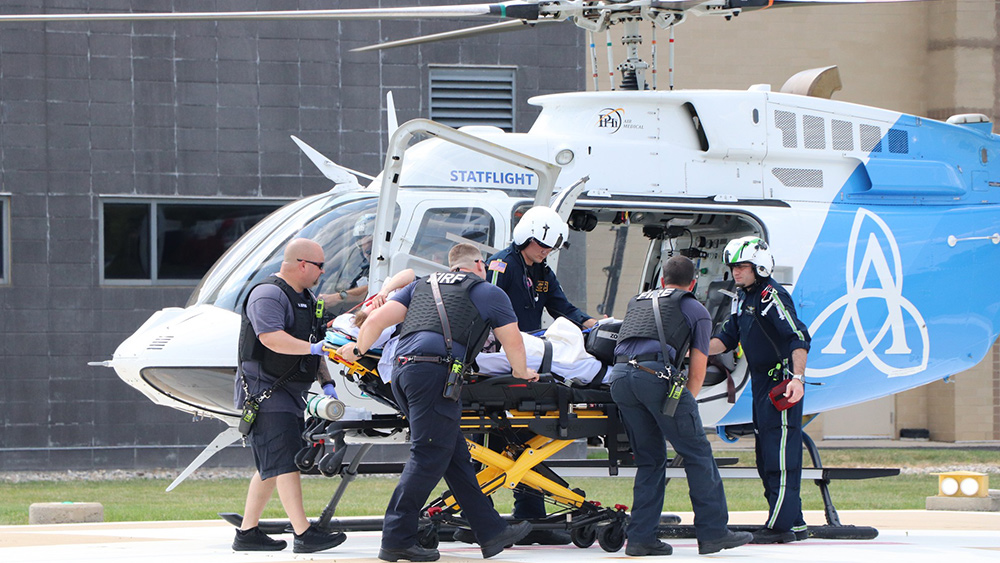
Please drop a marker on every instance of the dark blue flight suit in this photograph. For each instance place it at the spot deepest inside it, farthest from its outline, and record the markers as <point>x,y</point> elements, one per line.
<point>531,289</point>
<point>437,447</point>
<point>640,396</point>
<point>764,322</point>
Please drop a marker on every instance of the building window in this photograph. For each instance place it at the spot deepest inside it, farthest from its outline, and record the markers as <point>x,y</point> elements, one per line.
<point>171,241</point>
<point>465,95</point>
<point>4,239</point>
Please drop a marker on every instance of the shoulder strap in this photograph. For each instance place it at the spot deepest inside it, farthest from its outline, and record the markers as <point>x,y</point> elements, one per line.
<point>676,295</point>
<point>445,327</point>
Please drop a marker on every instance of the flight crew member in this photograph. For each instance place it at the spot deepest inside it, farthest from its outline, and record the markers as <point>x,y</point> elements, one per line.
<point>520,270</point>
<point>437,447</point>
<point>776,344</point>
<point>278,363</point>
<point>640,393</point>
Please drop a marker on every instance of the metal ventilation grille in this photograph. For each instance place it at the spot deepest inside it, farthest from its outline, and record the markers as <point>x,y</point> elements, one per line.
<point>160,342</point>
<point>799,177</point>
<point>899,141</point>
<point>462,96</point>
<point>871,138</point>
<point>843,135</point>
<point>813,132</point>
<point>785,121</point>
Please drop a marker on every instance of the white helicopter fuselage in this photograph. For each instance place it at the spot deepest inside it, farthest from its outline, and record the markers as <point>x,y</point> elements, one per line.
<point>852,199</point>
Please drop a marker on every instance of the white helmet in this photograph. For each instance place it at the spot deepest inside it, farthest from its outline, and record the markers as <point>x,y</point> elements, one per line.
<point>749,249</point>
<point>364,226</point>
<point>542,224</point>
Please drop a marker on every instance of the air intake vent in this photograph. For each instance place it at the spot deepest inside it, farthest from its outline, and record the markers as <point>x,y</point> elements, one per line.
<point>461,96</point>
<point>813,132</point>
<point>785,122</point>
<point>871,138</point>
<point>843,135</point>
<point>899,141</point>
<point>160,342</point>
<point>799,177</point>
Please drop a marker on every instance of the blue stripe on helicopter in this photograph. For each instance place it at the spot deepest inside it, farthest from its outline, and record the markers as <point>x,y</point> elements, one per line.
<point>912,299</point>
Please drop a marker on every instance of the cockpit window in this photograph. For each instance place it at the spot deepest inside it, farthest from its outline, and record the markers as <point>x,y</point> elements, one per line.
<point>344,230</point>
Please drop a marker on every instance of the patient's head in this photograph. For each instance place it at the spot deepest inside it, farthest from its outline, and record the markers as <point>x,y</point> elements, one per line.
<point>360,316</point>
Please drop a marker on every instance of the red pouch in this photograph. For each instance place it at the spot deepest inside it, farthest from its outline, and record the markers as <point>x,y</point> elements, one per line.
<point>777,395</point>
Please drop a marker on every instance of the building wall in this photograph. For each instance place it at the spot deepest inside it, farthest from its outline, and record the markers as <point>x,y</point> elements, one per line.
<point>178,109</point>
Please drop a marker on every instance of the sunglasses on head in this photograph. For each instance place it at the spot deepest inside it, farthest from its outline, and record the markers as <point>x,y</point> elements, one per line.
<point>317,264</point>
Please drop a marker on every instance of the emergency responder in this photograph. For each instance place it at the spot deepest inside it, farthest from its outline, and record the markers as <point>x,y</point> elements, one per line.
<point>520,270</point>
<point>430,342</point>
<point>641,384</point>
<point>278,363</point>
<point>776,344</point>
<point>356,260</point>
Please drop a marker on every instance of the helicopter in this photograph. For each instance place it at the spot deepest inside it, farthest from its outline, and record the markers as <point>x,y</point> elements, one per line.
<point>855,200</point>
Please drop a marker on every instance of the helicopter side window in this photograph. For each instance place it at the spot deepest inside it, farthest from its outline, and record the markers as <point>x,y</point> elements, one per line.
<point>442,228</point>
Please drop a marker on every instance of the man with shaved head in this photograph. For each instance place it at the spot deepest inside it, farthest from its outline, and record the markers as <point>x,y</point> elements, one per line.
<point>279,359</point>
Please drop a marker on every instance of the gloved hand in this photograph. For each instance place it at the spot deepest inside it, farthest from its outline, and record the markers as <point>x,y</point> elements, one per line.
<point>330,391</point>
<point>316,348</point>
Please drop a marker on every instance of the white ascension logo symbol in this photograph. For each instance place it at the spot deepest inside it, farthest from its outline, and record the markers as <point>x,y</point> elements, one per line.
<point>890,290</point>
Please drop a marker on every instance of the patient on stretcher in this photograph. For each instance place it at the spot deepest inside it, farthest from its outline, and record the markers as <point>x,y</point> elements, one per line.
<point>569,359</point>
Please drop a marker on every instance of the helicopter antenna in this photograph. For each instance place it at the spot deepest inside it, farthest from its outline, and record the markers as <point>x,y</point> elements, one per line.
<point>652,55</point>
<point>670,70</point>
<point>611,57</point>
<point>593,60</point>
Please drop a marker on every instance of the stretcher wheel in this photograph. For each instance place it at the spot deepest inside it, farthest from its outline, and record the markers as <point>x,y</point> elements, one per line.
<point>612,537</point>
<point>584,536</point>
<point>428,537</point>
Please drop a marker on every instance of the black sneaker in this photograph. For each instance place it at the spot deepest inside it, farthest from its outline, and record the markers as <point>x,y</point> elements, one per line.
<point>313,540</point>
<point>546,537</point>
<point>768,535</point>
<point>730,540</point>
<point>636,549</point>
<point>413,553</point>
<point>802,535</point>
<point>510,536</point>
<point>256,540</point>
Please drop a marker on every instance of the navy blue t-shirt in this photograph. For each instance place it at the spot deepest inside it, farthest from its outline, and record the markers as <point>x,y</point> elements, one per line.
<point>491,302</point>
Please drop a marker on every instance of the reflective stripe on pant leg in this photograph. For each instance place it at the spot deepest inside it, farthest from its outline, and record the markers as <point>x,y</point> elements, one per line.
<point>782,469</point>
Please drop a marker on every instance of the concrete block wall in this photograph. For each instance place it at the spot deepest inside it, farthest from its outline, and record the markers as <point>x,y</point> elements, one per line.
<point>179,109</point>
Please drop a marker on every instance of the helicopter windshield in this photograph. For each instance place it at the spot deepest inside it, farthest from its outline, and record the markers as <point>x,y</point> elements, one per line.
<point>342,227</point>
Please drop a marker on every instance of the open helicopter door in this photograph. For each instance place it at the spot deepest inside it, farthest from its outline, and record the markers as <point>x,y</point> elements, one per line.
<point>389,237</point>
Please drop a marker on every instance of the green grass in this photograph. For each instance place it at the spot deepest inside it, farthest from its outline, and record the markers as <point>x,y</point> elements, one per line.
<point>145,499</point>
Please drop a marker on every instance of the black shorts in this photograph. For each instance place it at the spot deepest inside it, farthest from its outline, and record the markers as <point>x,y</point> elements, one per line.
<point>275,439</point>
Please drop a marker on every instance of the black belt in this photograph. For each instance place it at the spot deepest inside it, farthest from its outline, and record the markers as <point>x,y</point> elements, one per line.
<point>430,359</point>
<point>640,358</point>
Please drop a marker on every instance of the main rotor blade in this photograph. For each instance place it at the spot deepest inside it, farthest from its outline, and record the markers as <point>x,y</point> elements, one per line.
<point>752,5</point>
<point>517,9</point>
<point>511,25</point>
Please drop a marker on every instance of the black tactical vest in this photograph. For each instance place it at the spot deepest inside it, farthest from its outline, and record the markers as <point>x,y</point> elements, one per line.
<point>306,325</point>
<point>641,323</point>
<point>467,326</point>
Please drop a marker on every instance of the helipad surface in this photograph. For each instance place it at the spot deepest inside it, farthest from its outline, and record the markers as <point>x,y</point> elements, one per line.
<point>910,536</point>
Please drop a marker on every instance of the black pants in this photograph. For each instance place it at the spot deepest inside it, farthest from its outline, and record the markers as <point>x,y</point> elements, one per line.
<point>437,449</point>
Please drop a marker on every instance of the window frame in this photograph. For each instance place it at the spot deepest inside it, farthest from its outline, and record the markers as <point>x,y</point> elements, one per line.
<point>153,202</point>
